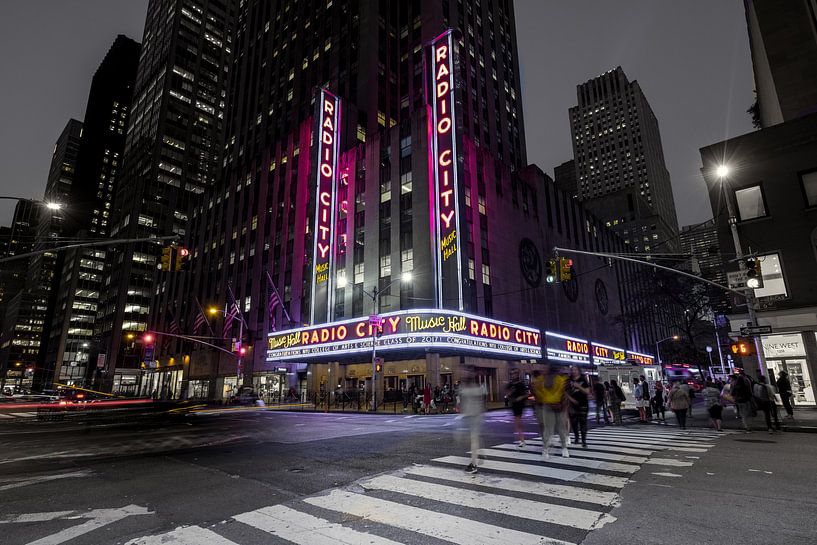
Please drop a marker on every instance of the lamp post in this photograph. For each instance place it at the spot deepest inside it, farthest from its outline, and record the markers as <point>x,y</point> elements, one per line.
<point>722,172</point>
<point>241,349</point>
<point>658,351</point>
<point>374,295</point>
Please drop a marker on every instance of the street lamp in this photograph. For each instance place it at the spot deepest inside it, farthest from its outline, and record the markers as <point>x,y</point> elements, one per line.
<point>241,350</point>
<point>374,295</point>
<point>658,352</point>
<point>722,171</point>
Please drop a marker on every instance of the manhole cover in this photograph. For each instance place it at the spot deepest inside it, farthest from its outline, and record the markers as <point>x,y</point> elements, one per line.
<point>755,441</point>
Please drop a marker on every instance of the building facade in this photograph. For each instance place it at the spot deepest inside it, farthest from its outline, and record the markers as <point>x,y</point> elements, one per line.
<point>171,156</point>
<point>772,185</point>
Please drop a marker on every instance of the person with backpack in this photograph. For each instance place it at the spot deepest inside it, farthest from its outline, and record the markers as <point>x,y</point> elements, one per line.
<point>742,394</point>
<point>784,389</point>
<point>617,397</point>
<point>548,389</point>
<point>578,392</point>
<point>764,398</point>
<point>658,402</point>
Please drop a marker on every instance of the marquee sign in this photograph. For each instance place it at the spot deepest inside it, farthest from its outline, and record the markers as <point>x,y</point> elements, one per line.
<point>607,355</point>
<point>327,145</point>
<point>407,330</point>
<point>562,348</point>
<point>640,359</point>
<point>446,179</point>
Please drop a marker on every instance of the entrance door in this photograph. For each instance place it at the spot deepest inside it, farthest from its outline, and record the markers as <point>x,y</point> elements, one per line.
<point>800,381</point>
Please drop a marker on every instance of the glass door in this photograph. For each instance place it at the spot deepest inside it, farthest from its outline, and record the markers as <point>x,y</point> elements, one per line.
<point>800,381</point>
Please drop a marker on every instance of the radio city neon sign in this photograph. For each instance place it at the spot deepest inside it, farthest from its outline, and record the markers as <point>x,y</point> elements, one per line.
<point>325,190</point>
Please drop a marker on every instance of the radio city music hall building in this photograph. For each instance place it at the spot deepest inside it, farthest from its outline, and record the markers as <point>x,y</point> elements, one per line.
<point>391,146</point>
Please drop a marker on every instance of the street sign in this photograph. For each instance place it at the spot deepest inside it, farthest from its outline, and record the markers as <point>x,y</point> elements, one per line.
<point>754,330</point>
<point>148,355</point>
<point>100,361</point>
<point>736,280</point>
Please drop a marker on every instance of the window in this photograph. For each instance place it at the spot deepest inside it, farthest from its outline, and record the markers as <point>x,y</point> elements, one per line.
<point>809,181</point>
<point>773,282</point>
<point>750,203</point>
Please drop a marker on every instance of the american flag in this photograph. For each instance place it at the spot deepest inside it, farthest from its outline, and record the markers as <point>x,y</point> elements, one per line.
<point>200,320</point>
<point>230,314</point>
<point>274,301</point>
<point>173,327</point>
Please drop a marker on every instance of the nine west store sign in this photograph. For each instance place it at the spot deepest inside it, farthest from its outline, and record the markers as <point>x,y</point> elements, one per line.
<point>407,330</point>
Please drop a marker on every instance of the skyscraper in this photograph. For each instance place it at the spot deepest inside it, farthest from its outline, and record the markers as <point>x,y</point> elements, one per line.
<point>71,336</point>
<point>619,159</point>
<point>171,153</point>
<point>783,40</point>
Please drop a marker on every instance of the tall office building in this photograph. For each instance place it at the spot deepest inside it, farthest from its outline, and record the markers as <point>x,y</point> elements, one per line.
<point>783,41</point>
<point>564,176</point>
<point>71,338</point>
<point>620,170</point>
<point>171,157</point>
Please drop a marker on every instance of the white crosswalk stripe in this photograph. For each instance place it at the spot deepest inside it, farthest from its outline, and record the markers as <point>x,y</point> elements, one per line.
<point>515,497</point>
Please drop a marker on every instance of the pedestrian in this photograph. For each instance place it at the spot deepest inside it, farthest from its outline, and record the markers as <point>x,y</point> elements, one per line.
<point>764,398</point>
<point>472,408</point>
<point>548,389</point>
<point>784,389</point>
<point>578,395</point>
<point>617,397</point>
<point>659,402</point>
<point>640,403</point>
<point>517,399</point>
<point>600,397</point>
<point>679,403</point>
<point>741,391</point>
<point>426,399</point>
<point>607,397</point>
<point>712,399</point>
<point>645,393</point>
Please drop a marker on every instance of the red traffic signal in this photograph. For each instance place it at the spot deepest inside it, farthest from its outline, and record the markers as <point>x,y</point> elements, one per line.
<point>148,338</point>
<point>242,350</point>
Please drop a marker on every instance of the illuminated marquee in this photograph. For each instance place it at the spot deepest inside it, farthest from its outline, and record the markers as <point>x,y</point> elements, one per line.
<point>407,330</point>
<point>443,152</point>
<point>562,348</point>
<point>327,144</point>
<point>607,355</point>
<point>640,359</point>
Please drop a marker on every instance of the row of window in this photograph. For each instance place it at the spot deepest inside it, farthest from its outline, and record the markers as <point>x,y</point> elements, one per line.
<point>751,201</point>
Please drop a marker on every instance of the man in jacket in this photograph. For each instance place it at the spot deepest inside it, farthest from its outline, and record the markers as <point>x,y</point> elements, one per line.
<point>548,389</point>
<point>742,393</point>
<point>784,389</point>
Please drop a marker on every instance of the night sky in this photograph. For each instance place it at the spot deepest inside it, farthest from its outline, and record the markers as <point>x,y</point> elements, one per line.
<point>691,58</point>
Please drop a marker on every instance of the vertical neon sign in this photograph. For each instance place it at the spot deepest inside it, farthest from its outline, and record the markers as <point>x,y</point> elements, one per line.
<point>327,145</point>
<point>446,203</point>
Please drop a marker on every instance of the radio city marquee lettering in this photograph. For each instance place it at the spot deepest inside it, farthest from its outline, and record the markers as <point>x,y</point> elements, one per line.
<point>406,330</point>
<point>327,142</point>
<point>640,359</point>
<point>607,355</point>
<point>567,349</point>
<point>444,160</point>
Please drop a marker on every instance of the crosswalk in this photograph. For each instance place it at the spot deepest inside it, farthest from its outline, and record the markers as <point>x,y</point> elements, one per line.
<point>516,496</point>
<point>14,415</point>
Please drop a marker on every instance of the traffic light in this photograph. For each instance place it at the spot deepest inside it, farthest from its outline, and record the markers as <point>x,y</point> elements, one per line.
<point>182,259</point>
<point>147,339</point>
<point>743,347</point>
<point>565,269</point>
<point>167,258</point>
<point>551,272</point>
<point>377,367</point>
<point>754,277</point>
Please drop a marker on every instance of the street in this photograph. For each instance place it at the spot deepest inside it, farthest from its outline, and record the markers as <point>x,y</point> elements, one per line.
<point>248,477</point>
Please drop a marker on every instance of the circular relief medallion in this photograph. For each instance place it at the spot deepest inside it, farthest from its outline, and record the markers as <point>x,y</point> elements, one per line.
<point>571,289</point>
<point>601,297</point>
<point>530,263</point>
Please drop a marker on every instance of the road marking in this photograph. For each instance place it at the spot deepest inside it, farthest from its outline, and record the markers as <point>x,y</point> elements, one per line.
<point>664,474</point>
<point>2,415</point>
<point>184,535</point>
<point>670,462</point>
<point>541,471</point>
<point>624,443</point>
<point>437,525</point>
<point>504,505</point>
<point>306,529</point>
<point>98,519</point>
<point>34,517</point>
<point>586,495</point>
<point>579,462</point>
<point>23,415</point>
<point>579,452</point>
<point>44,478</point>
<point>639,438</point>
<point>606,448</point>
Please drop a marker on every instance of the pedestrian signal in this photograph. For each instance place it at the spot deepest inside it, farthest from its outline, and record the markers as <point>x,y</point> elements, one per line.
<point>550,272</point>
<point>565,269</point>
<point>182,259</point>
<point>743,347</point>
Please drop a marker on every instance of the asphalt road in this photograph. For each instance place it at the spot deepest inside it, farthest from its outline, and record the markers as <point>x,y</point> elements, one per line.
<point>252,477</point>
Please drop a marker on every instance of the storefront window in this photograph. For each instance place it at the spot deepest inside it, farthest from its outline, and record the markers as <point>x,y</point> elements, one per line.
<point>786,352</point>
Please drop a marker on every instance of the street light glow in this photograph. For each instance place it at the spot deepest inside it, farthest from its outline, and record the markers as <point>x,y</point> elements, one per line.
<point>342,282</point>
<point>722,171</point>
<point>212,310</point>
<point>407,276</point>
<point>675,337</point>
<point>53,205</point>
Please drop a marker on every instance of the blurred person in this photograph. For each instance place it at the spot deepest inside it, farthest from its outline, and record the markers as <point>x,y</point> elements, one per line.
<point>764,398</point>
<point>679,403</point>
<point>548,389</point>
<point>472,408</point>
<point>617,397</point>
<point>712,401</point>
<point>600,397</point>
<point>659,401</point>
<point>517,398</point>
<point>784,389</point>
<point>741,391</point>
<point>578,393</point>
<point>645,393</point>
<point>640,403</point>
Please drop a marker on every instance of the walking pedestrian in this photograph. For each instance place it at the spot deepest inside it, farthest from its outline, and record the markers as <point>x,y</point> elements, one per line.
<point>426,399</point>
<point>617,397</point>
<point>645,393</point>
<point>518,398</point>
<point>640,403</point>
<point>712,399</point>
<point>784,389</point>
<point>764,398</point>
<point>600,397</point>
<point>578,394</point>
<point>679,403</point>
<point>549,392</point>
<point>659,401</point>
<point>742,393</point>
<point>472,407</point>
<point>607,397</point>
